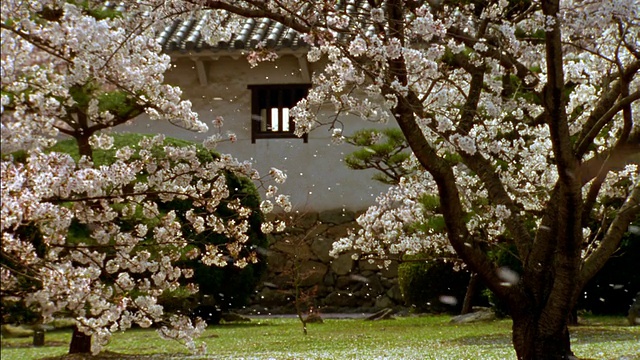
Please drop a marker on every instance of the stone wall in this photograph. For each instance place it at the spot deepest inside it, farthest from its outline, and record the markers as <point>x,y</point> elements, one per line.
<point>301,254</point>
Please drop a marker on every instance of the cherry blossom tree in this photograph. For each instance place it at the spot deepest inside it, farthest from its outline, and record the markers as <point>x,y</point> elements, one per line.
<point>79,69</point>
<point>520,115</point>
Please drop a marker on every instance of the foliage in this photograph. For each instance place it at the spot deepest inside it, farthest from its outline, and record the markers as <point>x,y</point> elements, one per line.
<point>14,311</point>
<point>382,150</point>
<point>232,286</point>
<point>433,285</point>
<point>108,156</point>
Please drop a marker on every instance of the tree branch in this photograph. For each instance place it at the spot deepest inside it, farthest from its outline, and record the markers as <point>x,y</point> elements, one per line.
<point>568,235</point>
<point>260,11</point>
<point>439,168</point>
<point>611,241</point>
<point>606,108</point>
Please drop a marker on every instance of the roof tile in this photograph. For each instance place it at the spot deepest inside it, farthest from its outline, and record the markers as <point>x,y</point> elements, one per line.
<point>186,35</point>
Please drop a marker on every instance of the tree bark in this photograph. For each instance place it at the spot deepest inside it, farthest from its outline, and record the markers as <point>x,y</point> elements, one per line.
<point>468,296</point>
<point>532,339</point>
<point>84,148</point>
<point>542,316</point>
<point>80,342</point>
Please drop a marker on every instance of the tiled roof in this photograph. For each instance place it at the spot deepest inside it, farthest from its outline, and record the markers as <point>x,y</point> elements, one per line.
<point>186,36</point>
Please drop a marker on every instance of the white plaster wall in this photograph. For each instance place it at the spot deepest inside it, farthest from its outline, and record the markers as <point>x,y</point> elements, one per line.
<point>317,177</point>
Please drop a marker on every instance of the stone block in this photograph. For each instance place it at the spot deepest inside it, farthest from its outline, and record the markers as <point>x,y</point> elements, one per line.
<point>321,247</point>
<point>293,247</point>
<point>384,314</point>
<point>271,298</point>
<point>343,282</point>
<point>320,291</point>
<point>311,273</point>
<point>391,270</point>
<point>329,279</point>
<point>387,283</point>
<point>341,299</point>
<point>341,230</point>
<point>314,318</point>
<point>343,264</point>
<point>374,286</point>
<point>316,231</point>
<point>384,301</point>
<point>306,220</point>
<point>277,261</point>
<point>370,265</point>
<point>483,315</point>
<point>233,317</point>
<point>283,280</point>
<point>367,273</point>
<point>395,294</point>
<point>293,231</point>
<point>336,216</point>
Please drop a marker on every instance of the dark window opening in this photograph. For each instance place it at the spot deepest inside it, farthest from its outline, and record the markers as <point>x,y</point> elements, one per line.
<point>270,107</point>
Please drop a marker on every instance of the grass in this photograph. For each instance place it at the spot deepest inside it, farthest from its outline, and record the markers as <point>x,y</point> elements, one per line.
<point>429,337</point>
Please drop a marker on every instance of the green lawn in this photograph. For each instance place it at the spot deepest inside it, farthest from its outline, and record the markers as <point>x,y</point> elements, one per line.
<point>429,337</point>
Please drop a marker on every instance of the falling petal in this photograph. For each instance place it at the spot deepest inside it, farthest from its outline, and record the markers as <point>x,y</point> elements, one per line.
<point>508,276</point>
<point>359,278</point>
<point>448,299</point>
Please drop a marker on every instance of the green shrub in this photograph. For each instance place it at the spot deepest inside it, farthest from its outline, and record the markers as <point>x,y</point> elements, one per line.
<point>230,286</point>
<point>178,300</point>
<point>382,150</point>
<point>12,306</point>
<point>14,310</point>
<point>424,284</point>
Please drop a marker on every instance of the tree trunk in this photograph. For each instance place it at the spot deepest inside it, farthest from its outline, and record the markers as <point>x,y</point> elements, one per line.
<point>533,340</point>
<point>84,148</point>
<point>80,342</point>
<point>471,291</point>
<point>573,317</point>
<point>38,336</point>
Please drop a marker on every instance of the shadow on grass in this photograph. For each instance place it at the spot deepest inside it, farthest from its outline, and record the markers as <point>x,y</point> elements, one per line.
<point>241,325</point>
<point>579,335</point>
<point>588,335</point>
<point>109,355</point>
<point>19,345</point>
<point>495,339</point>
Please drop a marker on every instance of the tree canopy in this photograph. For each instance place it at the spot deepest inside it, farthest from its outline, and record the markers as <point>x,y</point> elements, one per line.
<point>521,115</point>
<point>92,236</point>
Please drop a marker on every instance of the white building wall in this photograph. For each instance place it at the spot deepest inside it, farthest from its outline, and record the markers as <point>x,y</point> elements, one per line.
<point>317,177</point>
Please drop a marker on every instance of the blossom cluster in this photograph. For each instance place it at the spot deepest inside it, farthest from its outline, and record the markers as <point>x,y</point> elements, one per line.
<point>475,82</point>
<point>77,70</point>
<point>97,277</point>
<point>52,49</point>
<point>393,227</point>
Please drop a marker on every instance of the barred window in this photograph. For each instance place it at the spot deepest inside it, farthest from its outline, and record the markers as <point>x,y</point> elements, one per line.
<point>270,105</point>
